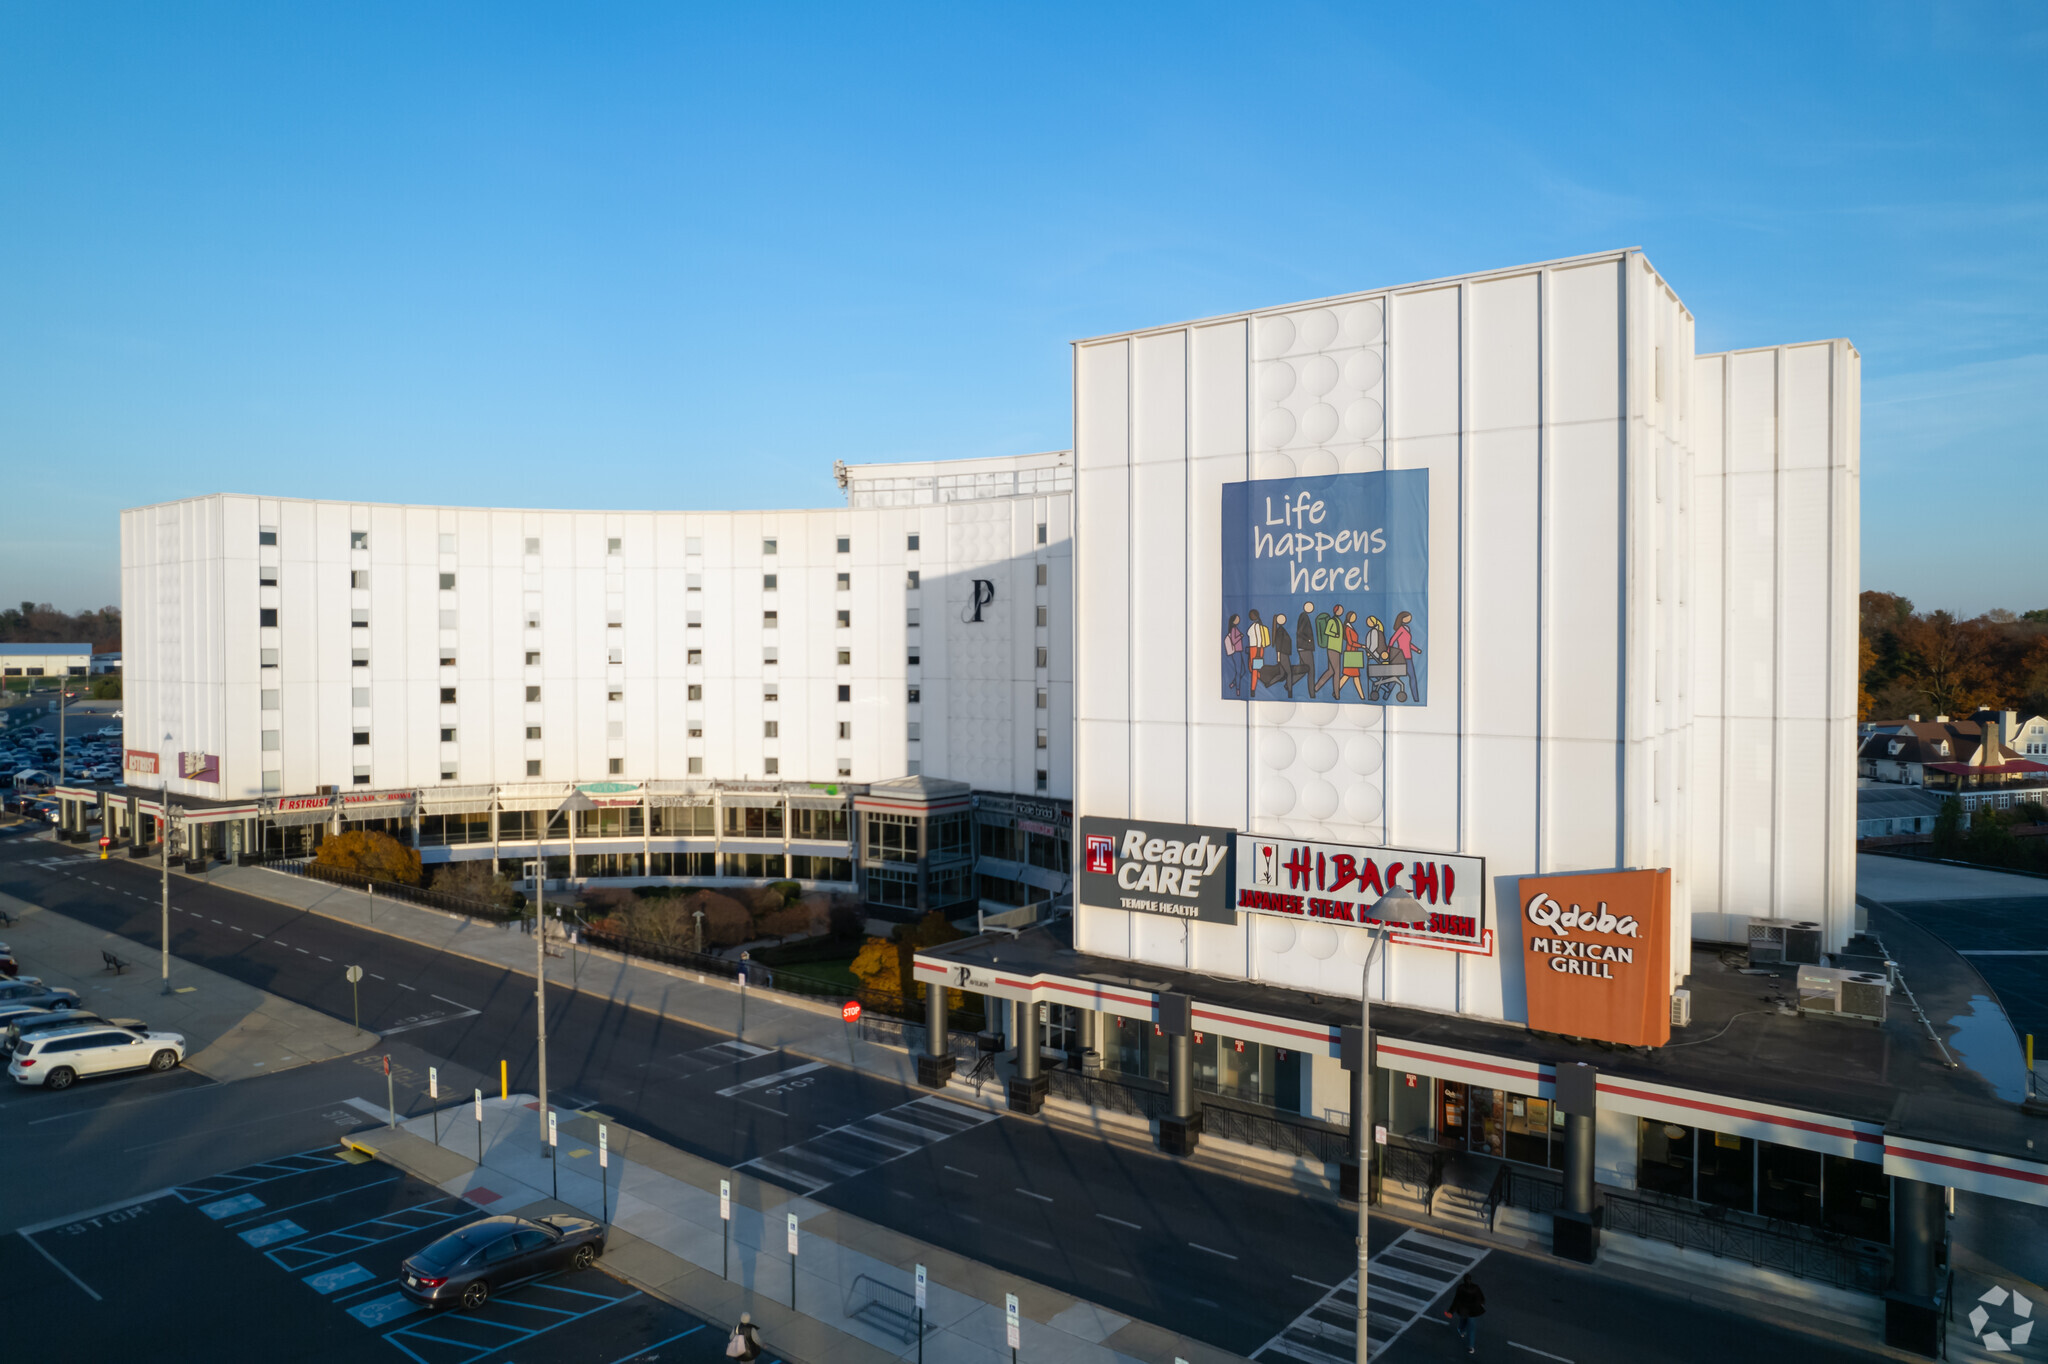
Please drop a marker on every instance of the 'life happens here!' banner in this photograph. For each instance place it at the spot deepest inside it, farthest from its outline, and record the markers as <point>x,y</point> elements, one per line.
<point>1326,589</point>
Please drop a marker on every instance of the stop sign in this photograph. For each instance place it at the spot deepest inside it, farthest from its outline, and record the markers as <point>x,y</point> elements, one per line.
<point>850,1010</point>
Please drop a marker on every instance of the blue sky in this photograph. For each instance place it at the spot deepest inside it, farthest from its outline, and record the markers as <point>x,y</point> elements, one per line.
<point>624,255</point>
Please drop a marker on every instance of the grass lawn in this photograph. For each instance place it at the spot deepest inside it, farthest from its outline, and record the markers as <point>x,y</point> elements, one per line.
<point>833,972</point>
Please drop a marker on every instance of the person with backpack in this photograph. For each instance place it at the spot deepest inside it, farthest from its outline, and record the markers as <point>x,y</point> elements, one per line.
<point>1257,640</point>
<point>1468,1304</point>
<point>746,1339</point>
<point>1330,637</point>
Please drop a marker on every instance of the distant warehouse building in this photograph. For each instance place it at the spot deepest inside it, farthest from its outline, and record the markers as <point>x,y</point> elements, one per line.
<point>45,660</point>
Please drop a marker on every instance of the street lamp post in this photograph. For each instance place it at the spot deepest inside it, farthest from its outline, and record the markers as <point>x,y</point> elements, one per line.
<point>163,834</point>
<point>1393,907</point>
<point>574,805</point>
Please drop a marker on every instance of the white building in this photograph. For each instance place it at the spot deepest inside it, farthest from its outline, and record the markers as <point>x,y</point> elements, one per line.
<point>45,660</point>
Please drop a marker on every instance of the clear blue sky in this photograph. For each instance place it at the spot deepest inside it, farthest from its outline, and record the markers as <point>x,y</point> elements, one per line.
<point>621,255</point>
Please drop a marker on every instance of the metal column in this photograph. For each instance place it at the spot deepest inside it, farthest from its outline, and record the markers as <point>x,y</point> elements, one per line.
<point>1181,1128</point>
<point>1914,1303</point>
<point>1028,1086</point>
<point>935,1067</point>
<point>1575,1229</point>
<point>1352,1170</point>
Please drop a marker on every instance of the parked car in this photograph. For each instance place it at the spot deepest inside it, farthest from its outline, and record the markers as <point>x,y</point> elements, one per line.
<point>54,1057</point>
<point>32,992</point>
<point>9,967</point>
<point>469,1264</point>
<point>24,1025</point>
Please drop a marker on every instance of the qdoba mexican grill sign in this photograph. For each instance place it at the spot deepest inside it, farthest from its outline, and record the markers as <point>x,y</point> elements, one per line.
<point>1341,884</point>
<point>1596,955</point>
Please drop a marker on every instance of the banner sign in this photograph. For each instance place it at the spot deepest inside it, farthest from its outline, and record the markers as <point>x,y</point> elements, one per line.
<point>1596,955</point>
<point>1342,883</point>
<point>1326,589</point>
<point>611,792</point>
<point>199,767</point>
<point>138,761</point>
<point>1181,870</point>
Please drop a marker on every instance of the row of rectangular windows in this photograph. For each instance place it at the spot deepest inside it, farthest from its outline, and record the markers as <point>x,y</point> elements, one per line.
<point>359,579</point>
<point>360,539</point>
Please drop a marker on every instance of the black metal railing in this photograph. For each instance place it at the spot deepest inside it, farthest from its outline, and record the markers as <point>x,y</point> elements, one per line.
<point>1498,1194</point>
<point>1805,1252</point>
<point>1533,1191</point>
<point>1294,1136</point>
<point>1416,1167</point>
<point>1116,1096</point>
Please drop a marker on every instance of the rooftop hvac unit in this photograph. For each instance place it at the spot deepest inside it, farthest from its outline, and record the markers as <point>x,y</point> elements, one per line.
<point>1681,1008</point>
<point>1835,993</point>
<point>1802,944</point>
<point>1766,943</point>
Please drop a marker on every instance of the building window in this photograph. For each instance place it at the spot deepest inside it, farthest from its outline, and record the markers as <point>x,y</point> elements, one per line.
<point>615,696</point>
<point>696,692</point>
<point>696,767</point>
<point>447,582</point>
<point>266,577</point>
<point>845,768</point>
<point>447,660</point>
<point>768,656</point>
<point>767,582</point>
<point>912,660</point>
<point>266,615</point>
<point>845,692</point>
<point>447,736</point>
<point>910,581</point>
<point>846,582</point>
<point>359,697</point>
<point>533,693</point>
<point>767,620</point>
<point>1041,575</point>
<point>911,544</point>
<point>1041,738</point>
<point>359,539</point>
<point>846,729</point>
<point>268,658</point>
<point>533,544</point>
<point>846,658</point>
<point>447,774</point>
<point>696,731</point>
<point>910,617</point>
<point>447,544</point>
<point>359,616</point>
<point>1041,615</point>
<point>771,691</point>
<point>360,658</point>
<point>1041,532</point>
<point>914,731</point>
<point>771,729</point>
<point>270,741</point>
<point>533,731</point>
<point>270,698</point>
<point>914,694</point>
<point>533,658</point>
<point>1041,698</point>
<point>1041,656</point>
<point>771,766</point>
<point>614,546</point>
<point>845,620</point>
<point>618,765</point>
<point>362,738</point>
<point>694,657</point>
<point>447,696</point>
<point>845,545</point>
<point>767,546</point>
<point>266,537</point>
<point>359,579</point>
<point>273,780</point>
<point>362,779</point>
<point>533,767</point>
<point>1041,781</point>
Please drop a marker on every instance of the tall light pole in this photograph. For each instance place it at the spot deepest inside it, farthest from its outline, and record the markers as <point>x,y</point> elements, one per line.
<point>574,805</point>
<point>1394,906</point>
<point>163,834</point>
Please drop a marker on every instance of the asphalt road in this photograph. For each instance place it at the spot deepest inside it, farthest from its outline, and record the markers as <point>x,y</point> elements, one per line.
<point>296,1259</point>
<point>1223,1259</point>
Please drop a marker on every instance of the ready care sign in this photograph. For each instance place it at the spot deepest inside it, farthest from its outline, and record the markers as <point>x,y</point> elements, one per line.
<point>1342,884</point>
<point>1182,870</point>
<point>1596,955</point>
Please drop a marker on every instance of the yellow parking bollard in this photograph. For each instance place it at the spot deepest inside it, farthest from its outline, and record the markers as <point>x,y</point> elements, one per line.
<point>504,1090</point>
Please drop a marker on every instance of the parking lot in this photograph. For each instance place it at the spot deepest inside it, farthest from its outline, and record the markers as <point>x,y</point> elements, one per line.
<point>296,1258</point>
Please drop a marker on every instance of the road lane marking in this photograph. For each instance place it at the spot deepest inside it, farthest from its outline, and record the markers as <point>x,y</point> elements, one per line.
<point>84,1287</point>
<point>325,957</point>
<point>1120,1221</point>
<point>763,1107</point>
<point>1039,1196</point>
<point>1196,1245</point>
<point>401,984</point>
<point>1326,1287</point>
<point>302,951</point>
<point>958,1171</point>
<point>760,1081</point>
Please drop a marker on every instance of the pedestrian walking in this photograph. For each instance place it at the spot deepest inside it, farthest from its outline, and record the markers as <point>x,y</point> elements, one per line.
<point>746,1339</point>
<point>1468,1305</point>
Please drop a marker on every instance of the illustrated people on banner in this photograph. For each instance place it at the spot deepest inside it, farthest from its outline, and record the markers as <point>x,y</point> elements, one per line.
<point>1305,644</point>
<point>1354,656</point>
<point>1233,656</point>
<point>1403,643</point>
<point>1330,635</point>
<point>1256,640</point>
<point>1281,670</point>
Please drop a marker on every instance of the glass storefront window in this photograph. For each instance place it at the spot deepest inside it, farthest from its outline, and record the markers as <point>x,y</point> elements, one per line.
<point>1131,1049</point>
<point>1788,1184</point>
<point>1526,1129</point>
<point>1727,1170</point>
<point>1664,1158</point>
<point>1856,1198</point>
<point>1483,1129</point>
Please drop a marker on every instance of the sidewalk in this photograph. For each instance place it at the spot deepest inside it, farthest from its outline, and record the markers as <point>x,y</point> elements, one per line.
<point>232,1031</point>
<point>851,1278</point>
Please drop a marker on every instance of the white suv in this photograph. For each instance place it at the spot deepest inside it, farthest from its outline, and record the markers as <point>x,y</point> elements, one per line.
<point>55,1057</point>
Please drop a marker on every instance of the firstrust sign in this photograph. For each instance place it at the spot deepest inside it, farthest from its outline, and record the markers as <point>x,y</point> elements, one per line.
<point>1596,955</point>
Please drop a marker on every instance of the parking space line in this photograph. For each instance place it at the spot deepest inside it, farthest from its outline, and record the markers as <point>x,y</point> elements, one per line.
<point>62,1268</point>
<point>325,1198</point>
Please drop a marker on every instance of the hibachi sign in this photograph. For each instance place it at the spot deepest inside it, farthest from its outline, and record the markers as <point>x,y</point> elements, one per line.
<point>1342,884</point>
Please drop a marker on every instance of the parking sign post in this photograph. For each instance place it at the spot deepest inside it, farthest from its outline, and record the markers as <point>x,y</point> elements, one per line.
<point>1011,1326</point>
<point>390,1093</point>
<point>920,1314</point>
<point>725,1225</point>
<point>479,1129</point>
<point>792,1262</point>
<point>354,974</point>
<point>434,1098</point>
<point>554,1170</point>
<point>604,1188</point>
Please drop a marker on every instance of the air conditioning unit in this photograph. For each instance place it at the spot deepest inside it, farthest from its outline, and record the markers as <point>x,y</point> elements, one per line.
<point>1802,944</point>
<point>1766,943</point>
<point>1833,992</point>
<point>1681,1008</point>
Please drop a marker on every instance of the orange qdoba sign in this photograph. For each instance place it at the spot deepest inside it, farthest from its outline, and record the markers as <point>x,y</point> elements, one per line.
<point>1596,954</point>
